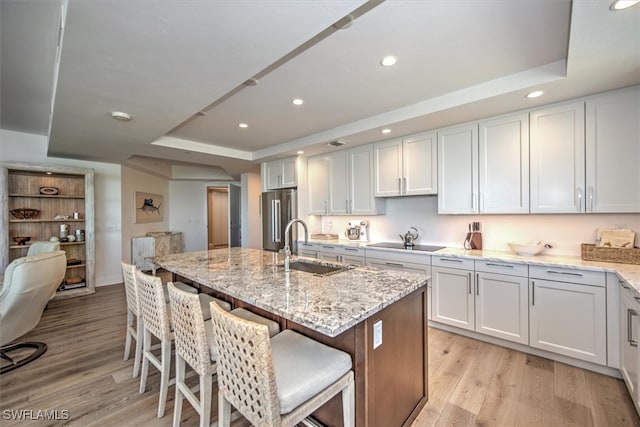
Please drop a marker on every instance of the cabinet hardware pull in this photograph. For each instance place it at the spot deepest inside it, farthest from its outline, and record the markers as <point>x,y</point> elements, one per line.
<point>326,208</point>
<point>478,284</point>
<point>404,181</point>
<point>493,264</point>
<point>591,191</point>
<point>328,247</point>
<point>579,194</point>
<point>481,204</point>
<point>346,204</point>
<point>470,279</point>
<point>637,298</point>
<point>351,249</point>
<point>533,293</point>
<point>630,314</point>
<point>450,260</point>
<point>394,264</point>
<point>565,273</point>
<point>623,285</point>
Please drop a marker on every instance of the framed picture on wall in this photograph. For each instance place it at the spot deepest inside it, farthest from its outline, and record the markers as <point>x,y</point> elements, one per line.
<point>148,207</point>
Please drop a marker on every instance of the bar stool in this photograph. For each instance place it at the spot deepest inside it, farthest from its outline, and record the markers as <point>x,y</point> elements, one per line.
<point>277,381</point>
<point>156,318</point>
<point>195,346</point>
<point>133,310</point>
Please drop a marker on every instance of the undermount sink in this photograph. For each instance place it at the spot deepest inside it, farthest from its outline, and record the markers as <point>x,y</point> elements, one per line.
<point>316,268</point>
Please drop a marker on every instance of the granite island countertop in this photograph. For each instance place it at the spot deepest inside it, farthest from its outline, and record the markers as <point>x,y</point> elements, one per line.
<point>329,305</point>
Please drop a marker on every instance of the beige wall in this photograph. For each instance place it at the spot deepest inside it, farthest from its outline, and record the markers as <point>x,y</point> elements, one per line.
<point>132,181</point>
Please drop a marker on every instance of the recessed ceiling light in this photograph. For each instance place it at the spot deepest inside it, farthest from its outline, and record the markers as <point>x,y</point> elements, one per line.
<point>119,115</point>
<point>623,4</point>
<point>388,61</point>
<point>385,131</point>
<point>300,152</point>
<point>49,173</point>
<point>243,125</point>
<point>297,101</point>
<point>535,94</point>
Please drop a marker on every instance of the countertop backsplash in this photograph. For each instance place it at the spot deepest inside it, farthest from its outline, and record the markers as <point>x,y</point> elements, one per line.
<point>565,232</point>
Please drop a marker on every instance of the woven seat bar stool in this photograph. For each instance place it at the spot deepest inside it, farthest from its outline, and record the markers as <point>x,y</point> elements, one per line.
<point>133,310</point>
<point>195,346</point>
<point>278,381</point>
<point>156,321</point>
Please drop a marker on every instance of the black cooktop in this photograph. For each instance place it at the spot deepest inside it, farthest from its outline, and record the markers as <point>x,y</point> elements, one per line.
<point>394,245</point>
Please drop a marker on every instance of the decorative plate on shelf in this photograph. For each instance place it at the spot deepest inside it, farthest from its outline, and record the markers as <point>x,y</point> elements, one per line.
<point>49,191</point>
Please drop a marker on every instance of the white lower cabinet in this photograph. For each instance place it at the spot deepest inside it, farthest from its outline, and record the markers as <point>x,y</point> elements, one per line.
<point>486,301</point>
<point>453,292</point>
<point>337,253</point>
<point>629,352</point>
<point>502,301</point>
<point>568,318</point>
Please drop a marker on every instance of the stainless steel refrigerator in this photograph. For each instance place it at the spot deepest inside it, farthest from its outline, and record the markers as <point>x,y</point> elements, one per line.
<point>278,208</point>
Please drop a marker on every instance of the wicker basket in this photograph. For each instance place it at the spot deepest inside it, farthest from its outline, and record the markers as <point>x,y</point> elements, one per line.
<point>600,253</point>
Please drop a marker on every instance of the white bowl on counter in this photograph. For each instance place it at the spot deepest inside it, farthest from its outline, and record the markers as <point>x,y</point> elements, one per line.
<point>527,248</point>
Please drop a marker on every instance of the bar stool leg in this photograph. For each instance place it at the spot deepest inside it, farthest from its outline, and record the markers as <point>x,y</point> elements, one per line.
<point>180,376</point>
<point>139,339</point>
<point>127,343</point>
<point>206,388</point>
<point>348,404</point>
<point>164,376</point>
<point>145,361</point>
<point>224,411</point>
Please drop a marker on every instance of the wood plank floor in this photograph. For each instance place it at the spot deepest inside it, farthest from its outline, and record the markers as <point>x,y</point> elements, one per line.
<point>471,383</point>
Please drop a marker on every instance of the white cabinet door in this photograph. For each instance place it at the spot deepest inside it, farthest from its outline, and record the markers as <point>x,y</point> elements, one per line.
<point>420,164</point>
<point>502,306</point>
<point>338,183</point>
<point>613,152</point>
<point>453,298</point>
<point>629,352</point>
<point>361,182</point>
<point>557,162</point>
<point>568,319</point>
<point>317,185</point>
<point>281,174</point>
<point>388,168</point>
<point>458,169</point>
<point>503,167</point>
<point>289,175</point>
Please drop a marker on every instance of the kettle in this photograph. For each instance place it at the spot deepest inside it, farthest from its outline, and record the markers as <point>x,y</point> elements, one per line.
<point>409,238</point>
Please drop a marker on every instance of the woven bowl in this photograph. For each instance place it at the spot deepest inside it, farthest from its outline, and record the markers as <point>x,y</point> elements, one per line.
<point>25,213</point>
<point>527,248</point>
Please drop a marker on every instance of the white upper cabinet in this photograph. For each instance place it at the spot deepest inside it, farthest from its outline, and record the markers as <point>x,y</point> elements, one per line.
<point>557,159</point>
<point>318,185</point>
<point>341,183</point>
<point>613,152</point>
<point>280,174</point>
<point>503,165</point>
<point>484,167</point>
<point>406,167</point>
<point>458,169</point>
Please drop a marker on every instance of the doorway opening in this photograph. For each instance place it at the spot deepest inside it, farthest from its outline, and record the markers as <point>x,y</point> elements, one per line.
<point>218,217</point>
<point>223,216</point>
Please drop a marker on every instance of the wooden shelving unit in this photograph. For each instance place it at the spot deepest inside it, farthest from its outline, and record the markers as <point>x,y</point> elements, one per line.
<point>21,183</point>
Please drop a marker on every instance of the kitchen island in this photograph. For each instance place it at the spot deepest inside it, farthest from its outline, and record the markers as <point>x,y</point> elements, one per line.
<point>340,310</point>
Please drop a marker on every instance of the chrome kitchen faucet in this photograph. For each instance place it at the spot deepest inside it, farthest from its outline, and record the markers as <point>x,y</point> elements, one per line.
<point>287,249</point>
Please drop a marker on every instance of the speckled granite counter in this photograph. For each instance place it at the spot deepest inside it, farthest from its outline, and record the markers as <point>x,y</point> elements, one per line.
<point>329,305</point>
<point>630,273</point>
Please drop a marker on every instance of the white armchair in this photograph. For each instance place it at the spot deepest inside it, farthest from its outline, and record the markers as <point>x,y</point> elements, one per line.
<point>29,283</point>
<point>42,246</point>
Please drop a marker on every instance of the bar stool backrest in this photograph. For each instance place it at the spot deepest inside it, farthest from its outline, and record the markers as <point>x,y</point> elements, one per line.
<point>129,276</point>
<point>189,330</point>
<point>153,309</point>
<point>246,374</point>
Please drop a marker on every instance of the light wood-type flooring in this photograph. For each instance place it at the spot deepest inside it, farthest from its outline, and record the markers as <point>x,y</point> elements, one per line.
<point>471,383</point>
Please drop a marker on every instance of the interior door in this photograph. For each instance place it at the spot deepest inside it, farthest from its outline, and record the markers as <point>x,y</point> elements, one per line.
<point>234,216</point>
<point>218,217</point>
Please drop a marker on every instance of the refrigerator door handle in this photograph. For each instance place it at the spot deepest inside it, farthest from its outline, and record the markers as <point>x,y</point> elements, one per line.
<point>277,218</point>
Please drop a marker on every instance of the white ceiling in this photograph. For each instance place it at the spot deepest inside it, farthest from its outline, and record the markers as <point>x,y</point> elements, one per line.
<point>163,62</point>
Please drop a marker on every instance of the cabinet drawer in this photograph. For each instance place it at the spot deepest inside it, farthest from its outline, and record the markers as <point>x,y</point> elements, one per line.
<point>452,262</point>
<point>400,256</point>
<point>500,267</point>
<point>571,275</point>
